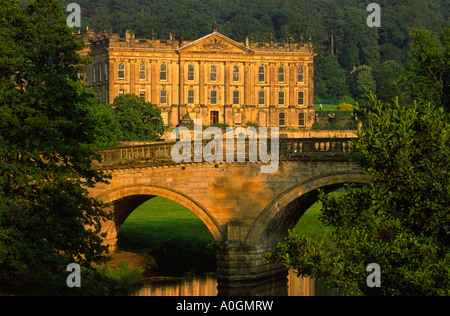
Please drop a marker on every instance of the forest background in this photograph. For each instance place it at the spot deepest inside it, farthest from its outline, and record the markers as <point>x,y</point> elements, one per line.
<point>351,55</point>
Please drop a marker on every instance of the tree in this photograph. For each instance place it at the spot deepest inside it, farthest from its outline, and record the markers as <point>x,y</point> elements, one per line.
<point>46,136</point>
<point>360,80</point>
<point>107,129</point>
<point>139,120</point>
<point>428,76</point>
<point>399,221</point>
<point>329,78</point>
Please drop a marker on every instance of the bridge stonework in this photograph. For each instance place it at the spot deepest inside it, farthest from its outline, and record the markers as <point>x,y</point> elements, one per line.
<point>246,211</point>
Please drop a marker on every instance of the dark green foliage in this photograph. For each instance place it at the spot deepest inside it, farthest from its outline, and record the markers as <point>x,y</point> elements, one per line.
<point>428,77</point>
<point>138,120</point>
<point>399,221</point>
<point>47,131</point>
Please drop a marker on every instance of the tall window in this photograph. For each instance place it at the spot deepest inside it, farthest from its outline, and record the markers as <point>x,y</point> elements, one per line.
<point>213,97</point>
<point>261,74</point>
<point>281,74</point>
<point>94,73</point>
<point>281,119</point>
<point>299,74</point>
<point>100,68</point>
<point>280,97</point>
<point>300,98</point>
<point>262,119</point>
<point>142,94</point>
<point>261,98</point>
<point>236,97</point>
<point>190,96</point>
<point>121,72</point>
<point>165,118</point>
<point>163,97</point>
<point>163,72</point>
<point>235,73</point>
<point>213,73</point>
<point>190,73</point>
<point>141,72</point>
<point>301,119</point>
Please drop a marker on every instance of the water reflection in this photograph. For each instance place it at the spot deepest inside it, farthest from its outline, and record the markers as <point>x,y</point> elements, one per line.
<point>206,285</point>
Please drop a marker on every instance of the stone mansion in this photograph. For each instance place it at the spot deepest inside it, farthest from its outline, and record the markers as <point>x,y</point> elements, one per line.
<point>213,78</point>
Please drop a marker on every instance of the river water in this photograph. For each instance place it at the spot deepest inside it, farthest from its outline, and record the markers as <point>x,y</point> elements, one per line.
<point>206,285</point>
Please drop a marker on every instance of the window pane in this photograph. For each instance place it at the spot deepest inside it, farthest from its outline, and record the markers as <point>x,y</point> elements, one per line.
<point>121,73</point>
<point>213,97</point>
<point>261,74</point>
<point>281,97</point>
<point>281,74</point>
<point>261,97</point>
<point>300,75</point>
<point>142,94</point>
<point>235,97</point>
<point>190,96</point>
<point>281,119</point>
<point>213,76</point>
<point>262,119</point>
<point>190,73</point>
<point>163,72</point>
<point>300,98</point>
<point>235,73</point>
<point>301,119</point>
<point>141,72</point>
<point>165,118</point>
<point>163,97</point>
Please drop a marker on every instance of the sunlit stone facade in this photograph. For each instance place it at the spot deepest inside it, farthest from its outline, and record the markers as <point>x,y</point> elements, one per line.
<point>214,78</point>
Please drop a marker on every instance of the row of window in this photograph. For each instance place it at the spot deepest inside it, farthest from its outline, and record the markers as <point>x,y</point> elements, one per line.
<point>214,118</point>
<point>212,73</point>
<point>213,97</point>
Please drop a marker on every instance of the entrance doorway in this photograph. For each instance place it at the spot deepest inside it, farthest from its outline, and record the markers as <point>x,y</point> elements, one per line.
<point>214,117</point>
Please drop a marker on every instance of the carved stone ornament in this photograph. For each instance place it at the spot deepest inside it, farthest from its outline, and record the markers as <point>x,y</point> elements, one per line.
<point>214,44</point>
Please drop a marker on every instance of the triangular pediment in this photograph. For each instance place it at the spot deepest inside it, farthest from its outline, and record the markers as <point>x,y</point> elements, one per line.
<point>215,42</point>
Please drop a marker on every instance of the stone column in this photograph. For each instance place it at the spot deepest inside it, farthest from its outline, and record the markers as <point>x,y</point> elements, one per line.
<point>239,264</point>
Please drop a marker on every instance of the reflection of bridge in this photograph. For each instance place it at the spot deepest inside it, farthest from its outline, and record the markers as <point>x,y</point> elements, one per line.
<point>248,211</point>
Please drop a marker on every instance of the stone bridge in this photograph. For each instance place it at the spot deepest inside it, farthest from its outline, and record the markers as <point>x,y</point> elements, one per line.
<point>248,212</point>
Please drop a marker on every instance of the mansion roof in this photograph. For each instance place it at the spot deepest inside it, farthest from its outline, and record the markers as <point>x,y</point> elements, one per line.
<point>212,42</point>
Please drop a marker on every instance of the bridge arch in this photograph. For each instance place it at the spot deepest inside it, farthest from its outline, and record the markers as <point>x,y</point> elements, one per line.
<point>123,200</point>
<point>285,210</point>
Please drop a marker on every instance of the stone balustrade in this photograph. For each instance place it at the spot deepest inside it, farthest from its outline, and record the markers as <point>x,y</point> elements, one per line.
<point>289,149</point>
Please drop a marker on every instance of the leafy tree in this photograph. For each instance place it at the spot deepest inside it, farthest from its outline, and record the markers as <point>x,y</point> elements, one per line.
<point>139,120</point>
<point>107,129</point>
<point>428,76</point>
<point>360,80</point>
<point>399,221</point>
<point>329,78</point>
<point>46,135</point>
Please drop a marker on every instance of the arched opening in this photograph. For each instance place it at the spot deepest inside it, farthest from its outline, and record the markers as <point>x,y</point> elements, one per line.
<point>284,212</point>
<point>124,201</point>
<point>169,234</point>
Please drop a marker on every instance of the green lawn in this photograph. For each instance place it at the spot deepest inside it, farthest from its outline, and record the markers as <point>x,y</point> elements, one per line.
<point>178,240</point>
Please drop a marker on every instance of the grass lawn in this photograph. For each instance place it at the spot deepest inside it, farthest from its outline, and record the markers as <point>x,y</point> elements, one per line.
<point>179,241</point>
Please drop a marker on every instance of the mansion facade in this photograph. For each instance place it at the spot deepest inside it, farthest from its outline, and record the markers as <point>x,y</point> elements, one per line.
<point>214,78</point>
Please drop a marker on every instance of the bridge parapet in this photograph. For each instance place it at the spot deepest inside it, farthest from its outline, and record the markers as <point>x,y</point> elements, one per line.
<point>289,149</point>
